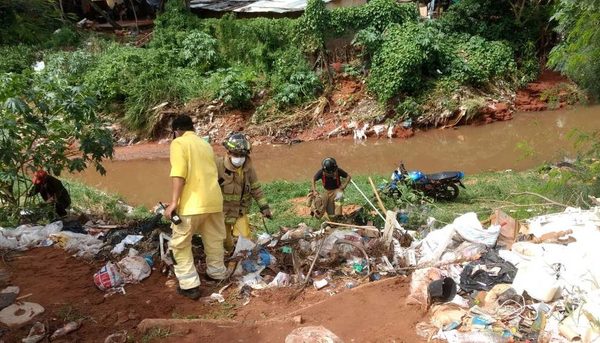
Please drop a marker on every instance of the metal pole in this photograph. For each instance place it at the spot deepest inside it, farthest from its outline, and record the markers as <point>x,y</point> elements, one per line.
<point>367,199</point>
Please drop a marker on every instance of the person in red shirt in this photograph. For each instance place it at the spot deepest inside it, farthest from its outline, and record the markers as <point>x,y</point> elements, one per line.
<point>52,191</point>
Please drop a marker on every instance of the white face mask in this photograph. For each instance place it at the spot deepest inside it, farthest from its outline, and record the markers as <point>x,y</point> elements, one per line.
<point>238,161</point>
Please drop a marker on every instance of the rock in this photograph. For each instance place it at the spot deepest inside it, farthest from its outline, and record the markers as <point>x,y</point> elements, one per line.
<point>313,334</point>
<point>8,296</point>
<point>36,333</point>
<point>297,319</point>
<point>17,315</point>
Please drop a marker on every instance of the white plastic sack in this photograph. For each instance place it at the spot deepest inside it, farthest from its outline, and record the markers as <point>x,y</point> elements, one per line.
<point>243,244</point>
<point>337,235</point>
<point>26,236</point>
<point>134,269</point>
<point>469,228</point>
<point>129,240</point>
<point>434,245</point>
<point>538,279</point>
<point>281,280</point>
<point>81,245</point>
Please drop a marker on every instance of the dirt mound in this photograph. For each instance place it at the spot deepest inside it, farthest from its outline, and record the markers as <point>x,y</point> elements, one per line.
<point>530,98</point>
<point>302,210</point>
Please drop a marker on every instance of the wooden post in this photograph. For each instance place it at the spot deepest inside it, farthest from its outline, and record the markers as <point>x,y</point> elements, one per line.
<point>379,202</point>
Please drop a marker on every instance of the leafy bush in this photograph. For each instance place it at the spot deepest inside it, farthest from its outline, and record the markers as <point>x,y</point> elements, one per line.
<point>69,65</point>
<point>478,61</point>
<point>27,21</point>
<point>369,41</point>
<point>408,55</point>
<point>199,50</point>
<point>16,58</point>
<point>301,86</point>
<point>66,36</point>
<point>375,14</point>
<point>235,90</point>
<point>578,54</point>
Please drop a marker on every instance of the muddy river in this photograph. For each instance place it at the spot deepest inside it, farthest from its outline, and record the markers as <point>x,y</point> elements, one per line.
<point>524,142</point>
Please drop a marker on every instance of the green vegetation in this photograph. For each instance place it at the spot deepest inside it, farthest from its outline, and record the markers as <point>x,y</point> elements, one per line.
<point>156,334</point>
<point>272,66</point>
<point>578,54</point>
<point>510,191</point>
<point>50,126</point>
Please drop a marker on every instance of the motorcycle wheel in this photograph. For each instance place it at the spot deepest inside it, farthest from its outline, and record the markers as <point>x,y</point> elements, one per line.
<point>448,192</point>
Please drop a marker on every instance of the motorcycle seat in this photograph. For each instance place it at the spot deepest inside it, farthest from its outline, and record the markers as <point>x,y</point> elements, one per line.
<point>444,175</point>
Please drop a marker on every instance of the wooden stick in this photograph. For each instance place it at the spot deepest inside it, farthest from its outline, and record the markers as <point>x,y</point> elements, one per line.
<point>541,196</point>
<point>24,296</point>
<point>349,225</point>
<point>377,196</point>
<point>295,294</point>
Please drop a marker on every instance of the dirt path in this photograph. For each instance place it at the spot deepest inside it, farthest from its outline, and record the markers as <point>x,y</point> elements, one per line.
<point>63,285</point>
<point>374,312</point>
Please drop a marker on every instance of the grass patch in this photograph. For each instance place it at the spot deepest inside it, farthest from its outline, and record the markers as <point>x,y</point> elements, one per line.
<point>67,313</point>
<point>484,193</point>
<point>91,201</point>
<point>155,333</point>
<point>225,310</point>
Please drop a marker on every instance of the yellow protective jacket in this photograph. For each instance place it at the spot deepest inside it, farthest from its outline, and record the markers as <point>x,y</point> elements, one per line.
<point>239,186</point>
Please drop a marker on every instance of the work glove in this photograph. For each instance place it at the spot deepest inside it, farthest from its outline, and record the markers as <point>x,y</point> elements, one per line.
<point>267,213</point>
<point>339,195</point>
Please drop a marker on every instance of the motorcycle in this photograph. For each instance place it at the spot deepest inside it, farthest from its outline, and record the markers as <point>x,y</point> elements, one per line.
<point>441,186</point>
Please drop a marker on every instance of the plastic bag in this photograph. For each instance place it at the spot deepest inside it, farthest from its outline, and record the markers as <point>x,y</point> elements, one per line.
<point>108,277</point>
<point>419,282</point>
<point>435,243</point>
<point>469,228</point>
<point>134,269</point>
<point>129,240</point>
<point>343,249</point>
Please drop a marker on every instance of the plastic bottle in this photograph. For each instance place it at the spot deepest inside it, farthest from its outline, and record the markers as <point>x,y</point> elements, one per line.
<point>175,219</point>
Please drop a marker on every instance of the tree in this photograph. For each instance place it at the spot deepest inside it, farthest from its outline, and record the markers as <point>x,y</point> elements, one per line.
<point>578,53</point>
<point>52,126</point>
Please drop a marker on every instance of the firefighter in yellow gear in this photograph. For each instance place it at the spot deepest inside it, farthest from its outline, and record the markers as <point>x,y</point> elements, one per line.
<point>197,198</point>
<point>239,185</point>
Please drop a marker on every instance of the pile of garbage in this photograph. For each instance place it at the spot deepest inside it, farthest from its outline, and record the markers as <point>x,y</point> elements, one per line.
<point>328,257</point>
<point>532,281</point>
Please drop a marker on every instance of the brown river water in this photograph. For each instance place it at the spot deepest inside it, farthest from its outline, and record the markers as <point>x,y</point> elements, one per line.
<point>524,142</point>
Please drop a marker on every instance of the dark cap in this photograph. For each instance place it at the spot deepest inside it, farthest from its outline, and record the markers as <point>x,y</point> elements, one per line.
<point>182,122</point>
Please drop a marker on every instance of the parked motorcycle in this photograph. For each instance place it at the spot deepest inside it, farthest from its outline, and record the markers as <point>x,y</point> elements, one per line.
<point>441,186</point>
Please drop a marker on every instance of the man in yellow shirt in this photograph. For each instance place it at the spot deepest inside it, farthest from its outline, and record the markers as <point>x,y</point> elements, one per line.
<point>197,197</point>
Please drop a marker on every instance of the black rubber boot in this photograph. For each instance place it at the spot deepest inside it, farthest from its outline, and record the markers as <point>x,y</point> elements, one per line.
<point>192,293</point>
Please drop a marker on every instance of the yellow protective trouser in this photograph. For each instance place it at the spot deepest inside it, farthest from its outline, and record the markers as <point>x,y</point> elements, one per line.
<point>241,227</point>
<point>333,202</point>
<point>211,227</point>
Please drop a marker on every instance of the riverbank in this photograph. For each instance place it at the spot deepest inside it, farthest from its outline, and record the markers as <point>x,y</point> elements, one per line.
<point>348,110</point>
